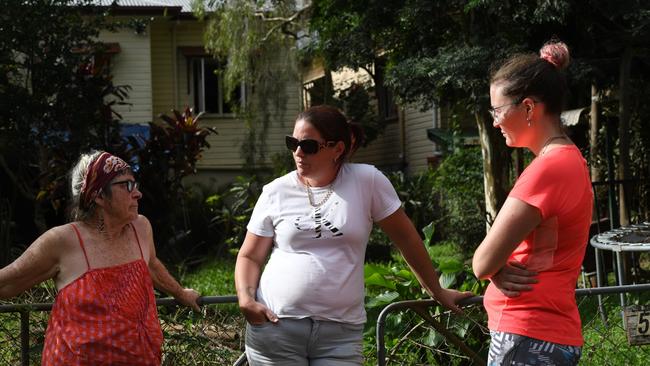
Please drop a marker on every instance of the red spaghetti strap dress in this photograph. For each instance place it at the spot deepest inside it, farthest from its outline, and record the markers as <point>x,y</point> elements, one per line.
<point>107,316</point>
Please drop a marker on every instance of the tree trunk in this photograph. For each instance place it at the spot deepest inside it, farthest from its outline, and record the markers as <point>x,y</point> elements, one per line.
<point>623,169</point>
<point>593,134</point>
<point>495,167</point>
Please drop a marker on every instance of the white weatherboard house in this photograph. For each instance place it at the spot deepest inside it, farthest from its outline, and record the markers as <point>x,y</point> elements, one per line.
<point>160,55</point>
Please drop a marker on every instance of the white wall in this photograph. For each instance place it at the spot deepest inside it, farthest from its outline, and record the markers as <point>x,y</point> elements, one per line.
<point>132,66</point>
<point>418,145</point>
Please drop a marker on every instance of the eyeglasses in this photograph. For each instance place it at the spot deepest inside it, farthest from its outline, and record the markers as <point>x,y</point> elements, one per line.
<point>130,184</point>
<point>495,112</point>
<point>308,146</point>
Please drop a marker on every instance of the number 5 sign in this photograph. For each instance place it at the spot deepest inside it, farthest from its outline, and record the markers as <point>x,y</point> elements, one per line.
<point>637,321</point>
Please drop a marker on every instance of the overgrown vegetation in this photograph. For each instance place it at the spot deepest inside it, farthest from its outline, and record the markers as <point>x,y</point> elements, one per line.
<point>56,100</point>
<point>393,281</point>
<point>163,160</point>
<point>231,209</point>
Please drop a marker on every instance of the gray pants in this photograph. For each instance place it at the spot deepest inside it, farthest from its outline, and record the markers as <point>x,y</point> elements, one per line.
<point>304,342</point>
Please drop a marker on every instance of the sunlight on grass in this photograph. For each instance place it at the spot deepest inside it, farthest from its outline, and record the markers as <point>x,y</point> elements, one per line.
<point>216,277</point>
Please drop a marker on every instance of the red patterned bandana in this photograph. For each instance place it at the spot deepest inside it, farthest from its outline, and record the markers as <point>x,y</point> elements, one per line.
<point>100,172</point>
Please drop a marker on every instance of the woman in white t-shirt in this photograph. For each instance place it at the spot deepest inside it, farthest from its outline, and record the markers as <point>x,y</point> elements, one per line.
<point>307,307</point>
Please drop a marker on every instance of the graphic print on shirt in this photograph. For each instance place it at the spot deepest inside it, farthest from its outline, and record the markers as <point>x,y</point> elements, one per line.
<point>320,220</point>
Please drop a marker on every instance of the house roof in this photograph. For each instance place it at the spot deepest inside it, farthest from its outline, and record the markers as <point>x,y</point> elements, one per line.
<point>184,5</point>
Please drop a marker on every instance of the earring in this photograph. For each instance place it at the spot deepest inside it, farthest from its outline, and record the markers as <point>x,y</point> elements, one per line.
<point>528,119</point>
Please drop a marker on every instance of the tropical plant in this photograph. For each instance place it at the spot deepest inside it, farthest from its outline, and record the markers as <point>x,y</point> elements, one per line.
<point>162,161</point>
<point>458,184</point>
<point>55,102</point>
<point>231,210</point>
<point>388,283</point>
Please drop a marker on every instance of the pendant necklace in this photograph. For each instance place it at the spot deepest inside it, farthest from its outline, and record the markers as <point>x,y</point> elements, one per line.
<point>550,139</point>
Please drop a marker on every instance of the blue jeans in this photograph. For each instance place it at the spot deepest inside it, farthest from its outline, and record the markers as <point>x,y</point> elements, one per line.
<point>304,342</point>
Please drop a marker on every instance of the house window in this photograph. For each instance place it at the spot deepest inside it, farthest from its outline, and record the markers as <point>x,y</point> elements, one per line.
<point>99,62</point>
<point>386,103</point>
<point>386,106</point>
<point>207,91</point>
<point>318,91</point>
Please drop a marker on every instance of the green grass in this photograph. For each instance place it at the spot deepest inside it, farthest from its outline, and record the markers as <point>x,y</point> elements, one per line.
<point>215,277</point>
<point>606,342</point>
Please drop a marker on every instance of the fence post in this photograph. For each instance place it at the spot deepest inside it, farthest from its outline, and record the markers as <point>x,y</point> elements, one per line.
<point>24,338</point>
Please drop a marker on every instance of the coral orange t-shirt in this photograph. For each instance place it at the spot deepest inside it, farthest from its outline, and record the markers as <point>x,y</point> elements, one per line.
<point>557,184</point>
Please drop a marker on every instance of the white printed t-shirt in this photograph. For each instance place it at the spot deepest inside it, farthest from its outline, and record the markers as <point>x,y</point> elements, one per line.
<point>316,265</point>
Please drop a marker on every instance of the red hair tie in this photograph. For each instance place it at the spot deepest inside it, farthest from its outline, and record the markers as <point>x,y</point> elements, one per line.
<point>556,53</point>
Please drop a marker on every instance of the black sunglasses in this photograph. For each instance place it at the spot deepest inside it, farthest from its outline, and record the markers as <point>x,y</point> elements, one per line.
<point>130,184</point>
<point>308,146</point>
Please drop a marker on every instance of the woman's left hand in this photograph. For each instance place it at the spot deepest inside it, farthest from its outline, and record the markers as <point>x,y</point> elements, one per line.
<point>513,278</point>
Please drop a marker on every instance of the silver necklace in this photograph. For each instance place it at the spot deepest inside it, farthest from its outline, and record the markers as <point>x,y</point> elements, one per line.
<point>310,195</point>
<point>550,139</point>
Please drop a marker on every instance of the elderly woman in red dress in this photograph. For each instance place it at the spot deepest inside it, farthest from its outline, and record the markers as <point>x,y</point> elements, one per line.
<point>104,266</point>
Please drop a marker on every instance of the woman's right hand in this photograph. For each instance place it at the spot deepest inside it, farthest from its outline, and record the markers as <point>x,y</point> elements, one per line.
<point>250,260</point>
<point>514,278</point>
<point>257,313</point>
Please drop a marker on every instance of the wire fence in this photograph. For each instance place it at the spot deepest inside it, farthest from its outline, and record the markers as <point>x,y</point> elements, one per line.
<point>407,333</point>
<point>415,332</point>
<point>213,337</point>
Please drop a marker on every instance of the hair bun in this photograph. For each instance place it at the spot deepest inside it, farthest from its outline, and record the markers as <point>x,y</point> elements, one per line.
<point>556,53</point>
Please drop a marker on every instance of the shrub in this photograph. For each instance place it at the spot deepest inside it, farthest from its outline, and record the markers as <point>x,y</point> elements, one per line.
<point>459,184</point>
<point>162,161</point>
<point>231,209</point>
<point>394,281</point>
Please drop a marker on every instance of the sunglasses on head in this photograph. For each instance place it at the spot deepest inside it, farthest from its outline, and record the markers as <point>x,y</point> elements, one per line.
<point>130,184</point>
<point>308,146</point>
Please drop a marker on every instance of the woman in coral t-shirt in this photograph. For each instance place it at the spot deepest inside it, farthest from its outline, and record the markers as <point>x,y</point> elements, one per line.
<point>533,252</point>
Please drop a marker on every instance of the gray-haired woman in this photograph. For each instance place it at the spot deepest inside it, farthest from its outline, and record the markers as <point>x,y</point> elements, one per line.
<point>103,264</point>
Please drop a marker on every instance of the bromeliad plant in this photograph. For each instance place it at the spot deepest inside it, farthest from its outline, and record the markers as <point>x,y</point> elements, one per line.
<point>182,140</point>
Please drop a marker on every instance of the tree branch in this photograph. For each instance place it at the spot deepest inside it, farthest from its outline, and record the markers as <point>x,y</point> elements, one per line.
<point>283,22</point>
<point>372,75</point>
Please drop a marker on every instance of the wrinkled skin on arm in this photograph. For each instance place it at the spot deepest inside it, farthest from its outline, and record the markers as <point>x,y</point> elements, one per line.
<point>38,263</point>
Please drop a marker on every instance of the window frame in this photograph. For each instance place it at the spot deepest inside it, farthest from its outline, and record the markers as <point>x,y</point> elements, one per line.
<point>387,108</point>
<point>196,87</point>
